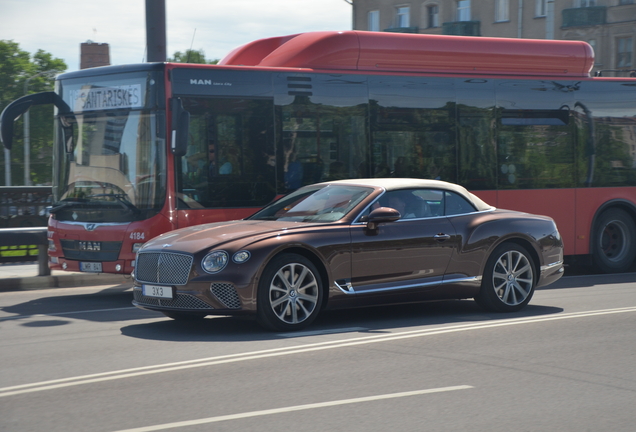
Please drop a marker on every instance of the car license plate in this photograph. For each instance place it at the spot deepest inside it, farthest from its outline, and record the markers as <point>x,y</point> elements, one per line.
<point>157,291</point>
<point>92,267</point>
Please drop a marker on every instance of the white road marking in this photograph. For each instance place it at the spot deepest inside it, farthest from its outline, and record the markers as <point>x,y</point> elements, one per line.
<point>293,408</point>
<point>53,314</point>
<point>322,332</point>
<point>297,349</point>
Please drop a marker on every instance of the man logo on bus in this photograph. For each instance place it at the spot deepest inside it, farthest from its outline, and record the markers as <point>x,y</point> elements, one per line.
<point>200,81</point>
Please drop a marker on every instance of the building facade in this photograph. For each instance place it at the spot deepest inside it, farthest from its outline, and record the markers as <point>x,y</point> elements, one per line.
<point>608,25</point>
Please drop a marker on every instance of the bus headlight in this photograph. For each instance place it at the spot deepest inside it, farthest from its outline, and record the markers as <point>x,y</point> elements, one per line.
<point>214,262</point>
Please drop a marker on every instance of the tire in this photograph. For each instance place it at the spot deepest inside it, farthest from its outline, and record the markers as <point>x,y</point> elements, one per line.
<point>509,279</point>
<point>289,293</point>
<point>184,316</point>
<point>614,241</point>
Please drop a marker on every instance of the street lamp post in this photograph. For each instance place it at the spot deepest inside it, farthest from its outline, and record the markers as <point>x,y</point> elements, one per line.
<point>27,132</point>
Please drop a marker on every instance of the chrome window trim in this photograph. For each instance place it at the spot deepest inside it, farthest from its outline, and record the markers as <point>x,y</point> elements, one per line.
<point>491,209</point>
<point>357,221</point>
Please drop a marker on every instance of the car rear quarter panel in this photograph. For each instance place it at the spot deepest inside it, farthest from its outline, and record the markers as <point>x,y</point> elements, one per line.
<point>482,232</point>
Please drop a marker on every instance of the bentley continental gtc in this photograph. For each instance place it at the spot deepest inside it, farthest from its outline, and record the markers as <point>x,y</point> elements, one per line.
<point>350,243</point>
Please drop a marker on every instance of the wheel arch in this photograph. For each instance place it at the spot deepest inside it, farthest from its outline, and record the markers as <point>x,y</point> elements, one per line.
<point>315,260</point>
<point>621,204</point>
<point>527,245</point>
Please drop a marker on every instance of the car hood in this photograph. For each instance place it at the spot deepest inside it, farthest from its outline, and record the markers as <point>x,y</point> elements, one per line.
<point>195,238</point>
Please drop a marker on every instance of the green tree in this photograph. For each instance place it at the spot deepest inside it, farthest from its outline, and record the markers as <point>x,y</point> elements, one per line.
<point>191,56</point>
<point>16,67</point>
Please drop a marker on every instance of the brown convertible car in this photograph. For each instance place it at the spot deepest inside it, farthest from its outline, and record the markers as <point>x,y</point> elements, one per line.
<point>350,243</point>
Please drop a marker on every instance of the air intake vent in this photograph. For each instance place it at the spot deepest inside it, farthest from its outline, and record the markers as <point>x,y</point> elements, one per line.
<point>299,86</point>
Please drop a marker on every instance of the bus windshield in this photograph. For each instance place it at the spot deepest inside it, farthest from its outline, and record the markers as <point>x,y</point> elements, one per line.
<point>113,172</point>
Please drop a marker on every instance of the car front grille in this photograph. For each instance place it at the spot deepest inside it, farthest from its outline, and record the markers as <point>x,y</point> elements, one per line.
<point>181,301</point>
<point>226,294</point>
<point>167,268</point>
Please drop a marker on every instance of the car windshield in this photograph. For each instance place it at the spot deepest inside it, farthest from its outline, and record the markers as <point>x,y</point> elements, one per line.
<point>324,203</point>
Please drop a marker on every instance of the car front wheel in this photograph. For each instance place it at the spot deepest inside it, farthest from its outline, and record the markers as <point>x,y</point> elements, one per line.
<point>509,279</point>
<point>289,293</point>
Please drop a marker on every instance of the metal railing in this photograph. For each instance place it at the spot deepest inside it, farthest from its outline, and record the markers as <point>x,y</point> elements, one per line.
<point>24,206</point>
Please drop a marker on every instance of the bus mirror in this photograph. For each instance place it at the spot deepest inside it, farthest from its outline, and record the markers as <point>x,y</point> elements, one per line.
<point>19,106</point>
<point>9,115</point>
<point>180,126</point>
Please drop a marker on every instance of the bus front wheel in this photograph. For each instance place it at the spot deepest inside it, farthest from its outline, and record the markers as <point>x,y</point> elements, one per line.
<point>614,241</point>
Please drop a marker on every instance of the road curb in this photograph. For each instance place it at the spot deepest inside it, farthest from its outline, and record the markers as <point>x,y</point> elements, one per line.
<point>64,281</point>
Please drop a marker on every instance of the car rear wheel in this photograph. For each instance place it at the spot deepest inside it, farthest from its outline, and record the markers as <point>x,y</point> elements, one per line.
<point>613,244</point>
<point>289,293</point>
<point>509,279</point>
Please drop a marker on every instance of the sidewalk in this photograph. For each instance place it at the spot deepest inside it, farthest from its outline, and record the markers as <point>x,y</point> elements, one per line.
<point>16,277</point>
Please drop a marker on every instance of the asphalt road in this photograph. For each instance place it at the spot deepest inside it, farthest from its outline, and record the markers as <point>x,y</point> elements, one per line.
<point>83,359</point>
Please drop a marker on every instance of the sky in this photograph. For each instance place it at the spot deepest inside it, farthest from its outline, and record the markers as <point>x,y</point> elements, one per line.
<point>214,26</point>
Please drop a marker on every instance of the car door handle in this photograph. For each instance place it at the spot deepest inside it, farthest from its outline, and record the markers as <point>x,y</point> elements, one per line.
<point>441,237</point>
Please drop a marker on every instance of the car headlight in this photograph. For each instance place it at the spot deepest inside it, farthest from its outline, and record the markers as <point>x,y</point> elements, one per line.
<point>215,261</point>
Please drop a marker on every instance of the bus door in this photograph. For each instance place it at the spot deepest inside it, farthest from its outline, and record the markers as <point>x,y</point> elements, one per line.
<point>228,171</point>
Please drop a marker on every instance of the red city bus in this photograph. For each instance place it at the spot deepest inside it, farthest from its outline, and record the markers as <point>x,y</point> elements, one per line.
<point>143,149</point>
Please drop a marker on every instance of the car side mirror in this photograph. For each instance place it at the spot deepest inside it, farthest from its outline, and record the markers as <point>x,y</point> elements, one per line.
<point>380,215</point>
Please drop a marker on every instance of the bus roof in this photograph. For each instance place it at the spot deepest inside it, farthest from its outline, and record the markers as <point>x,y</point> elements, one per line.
<point>418,53</point>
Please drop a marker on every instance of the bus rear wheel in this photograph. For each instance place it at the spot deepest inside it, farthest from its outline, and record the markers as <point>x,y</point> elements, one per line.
<point>614,245</point>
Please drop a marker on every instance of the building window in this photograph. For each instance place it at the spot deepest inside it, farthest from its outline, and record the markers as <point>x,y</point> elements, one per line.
<point>540,8</point>
<point>502,10</point>
<point>433,16</point>
<point>624,52</point>
<point>463,10</point>
<point>592,43</point>
<point>374,21</point>
<point>584,3</point>
<point>403,18</point>
<point>625,2</point>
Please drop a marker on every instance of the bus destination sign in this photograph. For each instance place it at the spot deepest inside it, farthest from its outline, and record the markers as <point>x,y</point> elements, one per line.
<point>100,98</point>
